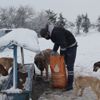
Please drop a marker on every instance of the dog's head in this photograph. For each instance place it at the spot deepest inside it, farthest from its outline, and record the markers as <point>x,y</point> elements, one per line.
<point>96,66</point>
<point>39,62</point>
<point>3,70</point>
<point>6,62</point>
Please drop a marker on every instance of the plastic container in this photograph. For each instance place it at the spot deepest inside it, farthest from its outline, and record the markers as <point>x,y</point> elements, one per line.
<point>59,77</point>
<point>14,96</point>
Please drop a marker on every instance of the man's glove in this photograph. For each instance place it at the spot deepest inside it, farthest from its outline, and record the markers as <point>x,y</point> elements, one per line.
<point>53,53</point>
<point>62,52</point>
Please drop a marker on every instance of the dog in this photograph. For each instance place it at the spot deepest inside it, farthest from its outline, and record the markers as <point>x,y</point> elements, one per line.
<point>42,60</point>
<point>7,62</point>
<point>82,82</point>
<point>3,71</point>
<point>96,66</point>
<point>22,79</point>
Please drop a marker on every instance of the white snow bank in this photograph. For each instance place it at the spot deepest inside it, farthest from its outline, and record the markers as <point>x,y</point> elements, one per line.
<point>22,37</point>
<point>45,44</point>
<point>83,71</point>
<point>13,90</point>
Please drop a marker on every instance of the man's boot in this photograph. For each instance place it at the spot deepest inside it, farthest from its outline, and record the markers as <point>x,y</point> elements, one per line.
<point>70,82</point>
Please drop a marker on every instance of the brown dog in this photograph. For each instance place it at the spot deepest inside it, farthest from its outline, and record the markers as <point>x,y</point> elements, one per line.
<point>82,82</point>
<point>42,60</point>
<point>96,66</point>
<point>6,62</point>
<point>3,70</point>
<point>22,79</point>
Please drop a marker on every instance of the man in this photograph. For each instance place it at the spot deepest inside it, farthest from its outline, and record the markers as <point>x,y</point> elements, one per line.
<point>68,46</point>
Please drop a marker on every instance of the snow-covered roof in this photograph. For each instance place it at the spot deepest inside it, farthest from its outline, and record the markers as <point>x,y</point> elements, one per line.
<point>22,37</point>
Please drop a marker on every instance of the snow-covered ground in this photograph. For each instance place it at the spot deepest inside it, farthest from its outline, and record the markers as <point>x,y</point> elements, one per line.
<point>87,54</point>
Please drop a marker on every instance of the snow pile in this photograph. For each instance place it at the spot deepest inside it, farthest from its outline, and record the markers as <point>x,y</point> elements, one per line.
<point>22,37</point>
<point>44,44</point>
<point>13,90</point>
<point>88,50</point>
<point>82,71</point>
<point>87,54</point>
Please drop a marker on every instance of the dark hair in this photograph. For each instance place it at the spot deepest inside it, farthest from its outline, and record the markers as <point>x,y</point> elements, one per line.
<point>43,32</point>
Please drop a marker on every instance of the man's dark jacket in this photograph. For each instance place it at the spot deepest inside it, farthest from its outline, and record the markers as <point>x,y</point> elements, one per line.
<point>62,38</point>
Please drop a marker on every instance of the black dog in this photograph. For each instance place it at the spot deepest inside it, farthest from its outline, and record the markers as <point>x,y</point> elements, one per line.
<point>96,66</point>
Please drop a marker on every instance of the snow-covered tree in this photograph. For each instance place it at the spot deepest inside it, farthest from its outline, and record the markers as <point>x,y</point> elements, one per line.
<point>16,17</point>
<point>11,17</point>
<point>51,16</point>
<point>61,21</point>
<point>78,24</point>
<point>3,18</point>
<point>98,24</point>
<point>23,15</point>
<point>39,22</point>
<point>85,23</point>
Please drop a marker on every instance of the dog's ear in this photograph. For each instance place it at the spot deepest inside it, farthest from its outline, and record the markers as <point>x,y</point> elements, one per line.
<point>96,68</point>
<point>35,61</point>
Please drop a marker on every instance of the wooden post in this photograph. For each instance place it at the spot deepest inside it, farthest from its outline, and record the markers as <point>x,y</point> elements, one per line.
<point>22,55</point>
<point>15,77</point>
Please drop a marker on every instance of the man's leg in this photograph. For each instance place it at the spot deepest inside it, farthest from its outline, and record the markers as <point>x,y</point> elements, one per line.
<point>70,59</point>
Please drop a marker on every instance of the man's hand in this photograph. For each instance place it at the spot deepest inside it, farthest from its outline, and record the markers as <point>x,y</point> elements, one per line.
<point>53,53</point>
<point>63,52</point>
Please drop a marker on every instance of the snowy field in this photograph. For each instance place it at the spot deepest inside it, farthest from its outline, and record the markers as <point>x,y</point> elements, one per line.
<point>88,52</point>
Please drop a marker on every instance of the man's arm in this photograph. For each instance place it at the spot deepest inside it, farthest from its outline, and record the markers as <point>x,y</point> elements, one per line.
<point>55,47</point>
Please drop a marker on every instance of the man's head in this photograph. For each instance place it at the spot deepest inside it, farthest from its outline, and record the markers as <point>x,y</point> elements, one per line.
<point>44,33</point>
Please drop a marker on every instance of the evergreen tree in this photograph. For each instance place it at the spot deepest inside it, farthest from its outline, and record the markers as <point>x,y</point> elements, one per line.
<point>11,17</point>
<point>3,18</point>
<point>98,24</point>
<point>78,24</point>
<point>51,16</point>
<point>61,21</point>
<point>24,14</point>
<point>39,22</point>
<point>85,23</point>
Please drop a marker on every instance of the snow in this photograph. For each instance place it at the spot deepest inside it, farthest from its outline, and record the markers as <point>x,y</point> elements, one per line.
<point>22,37</point>
<point>13,90</point>
<point>88,49</point>
<point>88,53</point>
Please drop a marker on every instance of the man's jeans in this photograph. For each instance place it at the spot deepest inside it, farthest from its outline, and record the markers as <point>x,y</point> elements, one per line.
<point>69,56</point>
